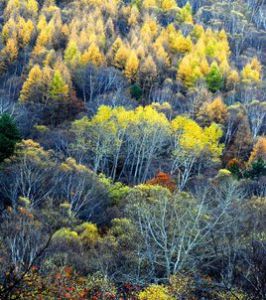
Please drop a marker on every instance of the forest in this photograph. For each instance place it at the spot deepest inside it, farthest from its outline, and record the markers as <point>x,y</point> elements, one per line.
<point>133,149</point>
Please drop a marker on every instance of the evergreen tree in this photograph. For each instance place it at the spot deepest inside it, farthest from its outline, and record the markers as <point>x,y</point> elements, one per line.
<point>9,136</point>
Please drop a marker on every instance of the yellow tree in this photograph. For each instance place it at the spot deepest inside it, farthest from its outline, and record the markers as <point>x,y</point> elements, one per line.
<point>132,66</point>
<point>9,30</point>
<point>32,82</point>
<point>232,79</point>
<point>168,5</point>
<point>25,30</point>
<point>216,111</point>
<point>189,70</point>
<point>121,56</point>
<point>177,42</point>
<point>93,55</point>
<point>36,87</point>
<point>192,143</point>
<point>134,15</point>
<point>251,73</point>
<point>72,54</point>
<point>259,150</point>
<point>11,50</point>
<point>161,54</point>
<point>184,14</point>
<point>149,30</point>
<point>32,7</point>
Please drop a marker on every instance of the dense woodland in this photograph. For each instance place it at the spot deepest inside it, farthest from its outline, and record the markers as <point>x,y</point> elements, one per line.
<point>133,149</point>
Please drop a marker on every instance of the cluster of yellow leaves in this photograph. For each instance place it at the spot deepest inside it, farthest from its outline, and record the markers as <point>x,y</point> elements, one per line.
<point>189,136</point>
<point>86,233</point>
<point>29,150</point>
<point>124,118</point>
<point>50,31</point>
<point>71,165</point>
<point>194,139</point>
<point>210,46</point>
<point>45,82</point>
<point>259,150</point>
<point>177,42</point>
<point>155,292</point>
<point>215,111</point>
<point>164,5</point>
<point>19,26</point>
<point>251,73</point>
<point>148,49</point>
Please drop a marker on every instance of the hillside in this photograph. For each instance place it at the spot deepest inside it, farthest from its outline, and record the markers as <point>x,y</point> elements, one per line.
<point>132,149</point>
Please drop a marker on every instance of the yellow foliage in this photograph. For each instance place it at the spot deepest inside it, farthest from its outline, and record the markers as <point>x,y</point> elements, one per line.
<point>162,55</point>
<point>29,150</point>
<point>92,55</point>
<point>149,30</point>
<point>233,77</point>
<point>13,6</point>
<point>217,111</point>
<point>38,80</point>
<point>11,50</point>
<point>88,233</point>
<point>121,56</point>
<point>71,165</point>
<point>149,3</point>
<point>168,5</point>
<point>198,31</point>
<point>132,65</point>
<point>191,68</point>
<point>34,76</point>
<point>65,234</point>
<point>32,7</point>
<point>259,150</point>
<point>251,73</point>
<point>155,292</point>
<point>25,30</point>
<point>185,14</point>
<point>9,30</point>
<point>177,42</point>
<point>116,46</point>
<point>42,23</point>
<point>134,15</point>
<point>194,139</point>
<point>72,54</point>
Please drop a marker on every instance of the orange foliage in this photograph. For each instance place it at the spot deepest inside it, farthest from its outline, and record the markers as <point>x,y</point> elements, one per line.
<point>164,180</point>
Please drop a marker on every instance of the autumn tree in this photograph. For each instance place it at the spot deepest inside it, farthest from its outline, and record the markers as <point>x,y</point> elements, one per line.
<point>185,14</point>
<point>259,150</point>
<point>192,142</point>
<point>37,82</point>
<point>215,111</point>
<point>164,180</point>
<point>119,136</point>
<point>251,73</point>
<point>132,66</point>
<point>93,55</point>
